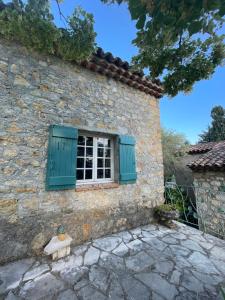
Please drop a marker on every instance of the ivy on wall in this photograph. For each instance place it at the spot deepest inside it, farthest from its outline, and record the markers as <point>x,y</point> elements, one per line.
<point>32,25</point>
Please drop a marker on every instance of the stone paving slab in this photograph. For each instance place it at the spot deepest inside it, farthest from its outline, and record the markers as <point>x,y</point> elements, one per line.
<point>149,262</point>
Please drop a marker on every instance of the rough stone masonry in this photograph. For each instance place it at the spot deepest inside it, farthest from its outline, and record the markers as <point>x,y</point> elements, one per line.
<point>37,91</point>
<point>210,201</point>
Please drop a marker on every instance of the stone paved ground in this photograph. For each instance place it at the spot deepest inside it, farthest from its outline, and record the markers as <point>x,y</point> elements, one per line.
<point>150,262</point>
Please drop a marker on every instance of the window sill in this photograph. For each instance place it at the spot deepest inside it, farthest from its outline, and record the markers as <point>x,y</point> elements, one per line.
<point>97,186</point>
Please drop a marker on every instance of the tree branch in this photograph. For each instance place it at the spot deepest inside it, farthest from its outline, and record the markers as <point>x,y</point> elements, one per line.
<point>62,17</point>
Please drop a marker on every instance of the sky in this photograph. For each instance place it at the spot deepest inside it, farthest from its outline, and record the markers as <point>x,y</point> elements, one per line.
<point>187,114</point>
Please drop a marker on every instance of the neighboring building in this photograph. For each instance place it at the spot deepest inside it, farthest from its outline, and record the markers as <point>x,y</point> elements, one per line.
<point>103,170</point>
<point>184,175</point>
<point>209,181</point>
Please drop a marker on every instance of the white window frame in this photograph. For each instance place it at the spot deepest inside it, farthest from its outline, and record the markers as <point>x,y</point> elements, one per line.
<point>95,180</point>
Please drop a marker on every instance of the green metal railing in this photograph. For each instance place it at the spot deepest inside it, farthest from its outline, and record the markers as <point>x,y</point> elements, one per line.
<point>199,207</point>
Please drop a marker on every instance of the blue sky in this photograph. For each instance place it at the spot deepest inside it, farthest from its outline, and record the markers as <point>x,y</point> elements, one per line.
<point>188,114</point>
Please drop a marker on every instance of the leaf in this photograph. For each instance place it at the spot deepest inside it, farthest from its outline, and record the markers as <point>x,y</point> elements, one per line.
<point>195,27</point>
<point>141,22</point>
<point>137,9</point>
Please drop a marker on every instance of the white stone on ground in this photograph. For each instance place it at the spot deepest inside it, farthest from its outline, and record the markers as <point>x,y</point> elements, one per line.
<point>35,272</point>
<point>108,243</point>
<point>58,248</point>
<point>67,263</point>
<point>43,286</point>
<point>91,256</point>
<point>158,284</point>
<point>121,250</point>
<point>11,274</point>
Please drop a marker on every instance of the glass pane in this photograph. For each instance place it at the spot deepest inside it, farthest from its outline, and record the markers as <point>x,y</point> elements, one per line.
<point>80,151</point>
<point>80,162</point>
<point>100,173</point>
<point>107,152</point>
<point>88,174</point>
<point>100,142</point>
<point>100,163</point>
<point>80,174</point>
<point>100,152</point>
<point>89,141</point>
<point>81,140</point>
<point>108,143</point>
<point>107,173</point>
<point>107,163</point>
<point>89,151</point>
<point>88,162</point>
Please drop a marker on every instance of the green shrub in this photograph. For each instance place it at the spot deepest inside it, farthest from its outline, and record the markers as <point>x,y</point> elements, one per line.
<point>32,25</point>
<point>165,207</point>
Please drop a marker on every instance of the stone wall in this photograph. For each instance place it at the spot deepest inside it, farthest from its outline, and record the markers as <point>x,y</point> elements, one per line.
<point>37,91</point>
<point>210,201</point>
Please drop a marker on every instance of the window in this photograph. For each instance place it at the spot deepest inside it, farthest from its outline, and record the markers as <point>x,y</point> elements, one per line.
<point>95,159</point>
<point>78,158</point>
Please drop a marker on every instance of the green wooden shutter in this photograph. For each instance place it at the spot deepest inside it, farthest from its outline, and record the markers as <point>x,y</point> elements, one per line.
<point>127,162</point>
<point>62,160</point>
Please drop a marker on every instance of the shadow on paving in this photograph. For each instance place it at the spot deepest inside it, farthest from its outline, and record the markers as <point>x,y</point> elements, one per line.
<point>149,262</point>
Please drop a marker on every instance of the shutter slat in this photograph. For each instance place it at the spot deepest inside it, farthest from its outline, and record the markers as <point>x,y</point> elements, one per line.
<point>64,132</point>
<point>128,176</point>
<point>127,159</point>
<point>61,180</point>
<point>61,164</point>
<point>127,140</point>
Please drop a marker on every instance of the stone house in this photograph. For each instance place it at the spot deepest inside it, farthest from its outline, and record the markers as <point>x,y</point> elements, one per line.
<point>80,146</point>
<point>208,171</point>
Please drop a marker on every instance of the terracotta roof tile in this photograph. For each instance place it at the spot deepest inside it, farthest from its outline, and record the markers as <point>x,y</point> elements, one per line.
<point>214,159</point>
<point>201,148</point>
<point>113,67</point>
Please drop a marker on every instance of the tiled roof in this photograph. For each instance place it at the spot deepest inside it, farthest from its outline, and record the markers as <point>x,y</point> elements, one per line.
<point>201,148</point>
<point>114,67</point>
<point>212,159</point>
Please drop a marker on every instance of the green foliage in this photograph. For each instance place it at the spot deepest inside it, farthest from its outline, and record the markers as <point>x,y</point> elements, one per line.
<point>215,132</point>
<point>165,207</point>
<point>174,146</point>
<point>78,40</point>
<point>174,196</point>
<point>178,40</point>
<point>182,199</point>
<point>32,25</point>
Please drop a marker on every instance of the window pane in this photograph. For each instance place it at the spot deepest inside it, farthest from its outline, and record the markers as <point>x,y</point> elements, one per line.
<point>89,151</point>
<point>107,152</point>
<point>100,142</point>
<point>81,140</point>
<point>89,141</point>
<point>107,163</point>
<point>107,173</point>
<point>80,162</point>
<point>80,151</point>
<point>100,163</point>
<point>89,162</point>
<point>100,152</point>
<point>88,174</point>
<point>100,173</point>
<point>80,174</point>
<point>108,143</point>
